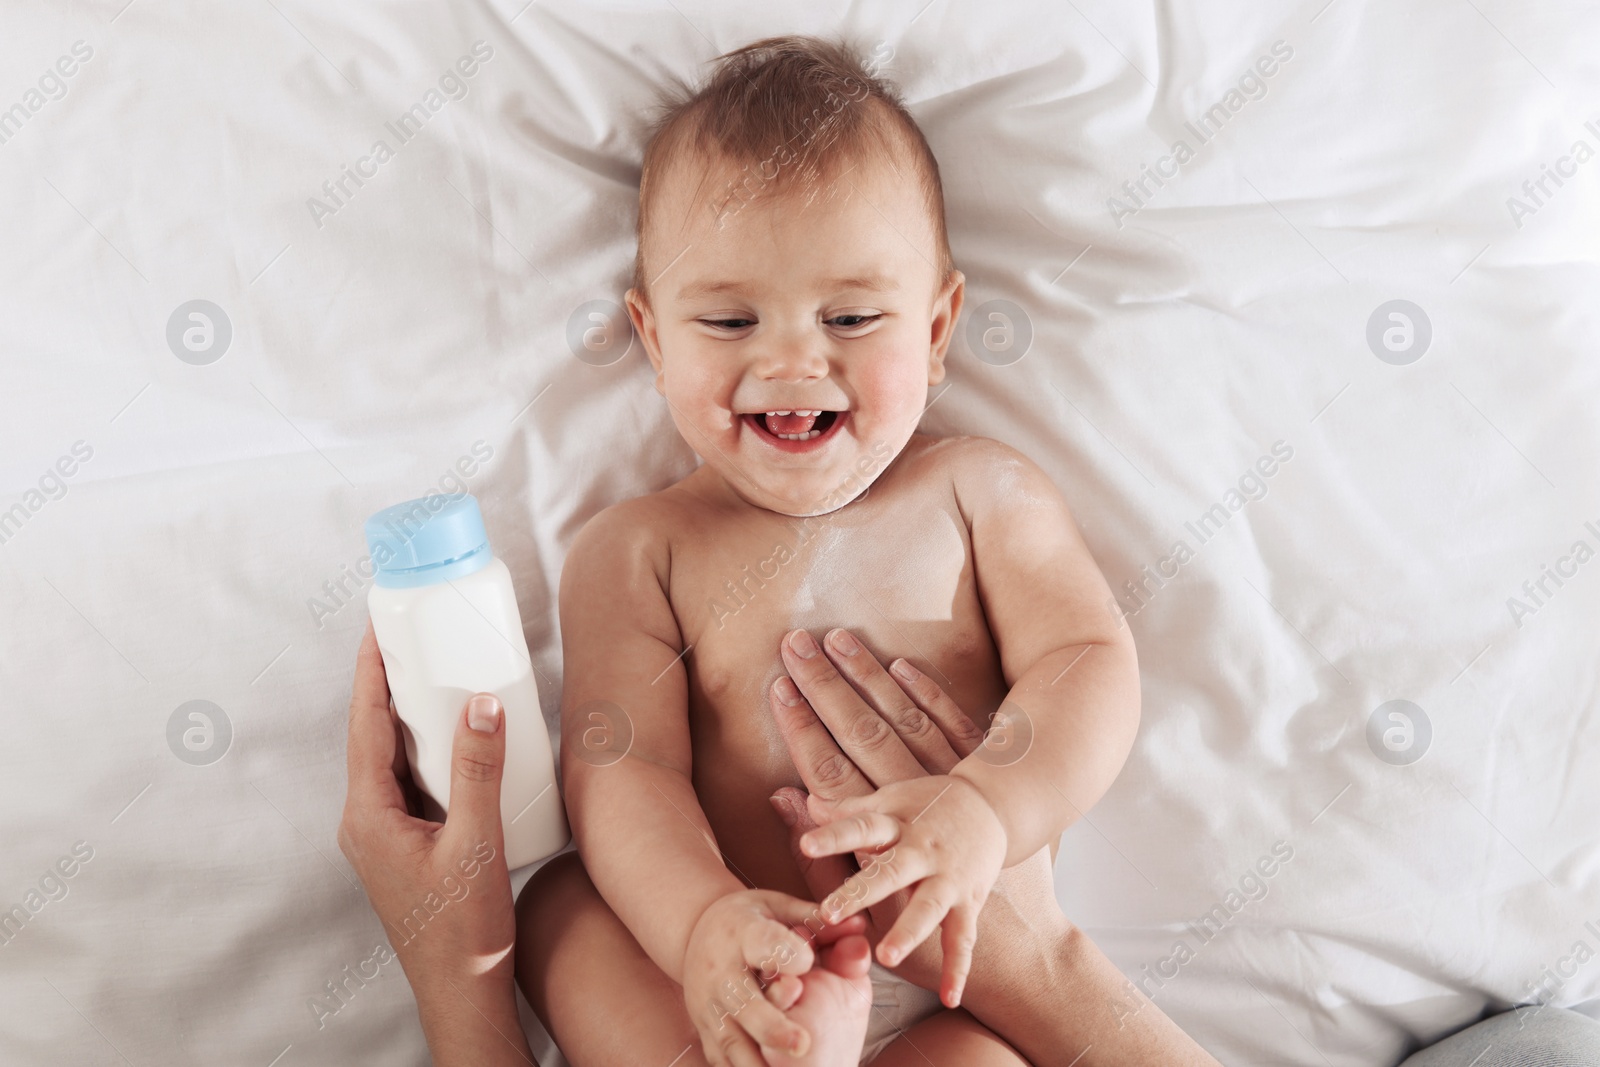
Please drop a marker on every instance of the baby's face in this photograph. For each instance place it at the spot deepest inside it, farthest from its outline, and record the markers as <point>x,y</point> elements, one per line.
<point>830,312</point>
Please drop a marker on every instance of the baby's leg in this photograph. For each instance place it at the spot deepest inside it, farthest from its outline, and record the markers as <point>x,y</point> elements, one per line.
<point>605,1001</point>
<point>834,1002</point>
<point>602,998</point>
<point>949,1038</point>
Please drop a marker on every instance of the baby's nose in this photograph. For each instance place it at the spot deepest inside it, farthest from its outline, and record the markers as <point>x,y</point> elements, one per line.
<point>792,360</point>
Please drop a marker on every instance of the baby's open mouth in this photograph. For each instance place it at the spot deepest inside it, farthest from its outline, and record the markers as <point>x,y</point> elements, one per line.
<point>792,430</point>
<point>797,425</point>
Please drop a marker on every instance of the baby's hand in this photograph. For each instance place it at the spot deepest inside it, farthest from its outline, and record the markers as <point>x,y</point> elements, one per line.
<point>938,833</point>
<point>739,943</point>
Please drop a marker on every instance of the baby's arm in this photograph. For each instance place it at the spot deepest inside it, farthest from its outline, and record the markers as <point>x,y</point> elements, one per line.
<point>636,819</point>
<point>1069,661</point>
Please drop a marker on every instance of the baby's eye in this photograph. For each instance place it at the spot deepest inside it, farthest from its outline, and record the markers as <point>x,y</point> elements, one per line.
<point>729,324</point>
<point>851,322</point>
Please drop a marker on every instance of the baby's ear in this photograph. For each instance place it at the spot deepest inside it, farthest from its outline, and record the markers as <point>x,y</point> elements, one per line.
<point>644,328</point>
<point>946,313</point>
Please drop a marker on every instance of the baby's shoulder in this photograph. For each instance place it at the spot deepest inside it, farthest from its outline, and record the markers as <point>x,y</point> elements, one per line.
<point>616,576</point>
<point>968,459</point>
<point>625,537</point>
<point>640,530</point>
<point>982,472</point>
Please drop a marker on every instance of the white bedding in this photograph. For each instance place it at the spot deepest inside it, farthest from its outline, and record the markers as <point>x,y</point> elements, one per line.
<point>1175,339</point>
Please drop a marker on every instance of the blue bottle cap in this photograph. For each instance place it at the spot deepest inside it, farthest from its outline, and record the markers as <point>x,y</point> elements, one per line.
<point>432,539</point>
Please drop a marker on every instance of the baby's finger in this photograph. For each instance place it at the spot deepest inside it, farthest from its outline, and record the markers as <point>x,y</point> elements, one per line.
<point>772,1028</point>
<point>788,909</point>
<point>729,1046</point>
<point>852,833</point>
<point>722,1037</point>
<point>883,876</point>
<point>960,935</point>
<point>856,924</point>
<point>783,992</point>
<point>773,948</point>
<point>928,907</point>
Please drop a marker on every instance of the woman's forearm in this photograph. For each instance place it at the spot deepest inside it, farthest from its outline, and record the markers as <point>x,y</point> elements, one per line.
<point>1064,1000</point>
<point>472,1022</point>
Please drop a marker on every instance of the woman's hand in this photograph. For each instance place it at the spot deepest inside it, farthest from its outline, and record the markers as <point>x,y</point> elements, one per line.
<point>854,728</point>
<point>441,889</point>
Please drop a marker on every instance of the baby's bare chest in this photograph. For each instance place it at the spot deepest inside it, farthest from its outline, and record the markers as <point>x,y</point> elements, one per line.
<point>897,572</point>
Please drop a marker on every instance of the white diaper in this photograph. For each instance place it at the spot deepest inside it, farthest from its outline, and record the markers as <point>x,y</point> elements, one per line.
<point>897,1005</point>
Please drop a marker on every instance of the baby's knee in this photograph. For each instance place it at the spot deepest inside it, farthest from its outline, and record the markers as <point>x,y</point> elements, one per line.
<point>550,914</point>
<point>573,953</point>
<point>557,893</point>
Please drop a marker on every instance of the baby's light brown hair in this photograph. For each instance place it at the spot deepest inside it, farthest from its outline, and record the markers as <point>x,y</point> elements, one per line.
<point>788,115</point>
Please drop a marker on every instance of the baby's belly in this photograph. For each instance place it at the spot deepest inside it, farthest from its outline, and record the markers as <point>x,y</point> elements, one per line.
<point>740,759</point>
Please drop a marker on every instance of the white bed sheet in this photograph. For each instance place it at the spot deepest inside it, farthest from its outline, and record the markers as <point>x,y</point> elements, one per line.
<point>1172,347</point>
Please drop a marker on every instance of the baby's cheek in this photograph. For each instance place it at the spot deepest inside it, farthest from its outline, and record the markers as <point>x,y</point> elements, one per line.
<point>895,390</point>
<point>700,395</point>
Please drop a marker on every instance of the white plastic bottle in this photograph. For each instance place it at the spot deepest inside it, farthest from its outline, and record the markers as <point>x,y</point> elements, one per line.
<point>446,619</point>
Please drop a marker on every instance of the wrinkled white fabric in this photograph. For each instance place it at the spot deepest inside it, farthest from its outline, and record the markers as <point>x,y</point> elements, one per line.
<point>1173,339</point>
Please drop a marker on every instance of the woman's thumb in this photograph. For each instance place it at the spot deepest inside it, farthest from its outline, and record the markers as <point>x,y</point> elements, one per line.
<point>476,763</point>
<point>822,874</point>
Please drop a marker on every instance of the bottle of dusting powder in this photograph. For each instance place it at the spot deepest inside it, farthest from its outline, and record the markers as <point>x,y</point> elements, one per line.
<point>446,619</point>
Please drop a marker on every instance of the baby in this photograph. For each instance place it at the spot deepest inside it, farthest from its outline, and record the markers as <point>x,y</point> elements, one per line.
<point>795,293</point>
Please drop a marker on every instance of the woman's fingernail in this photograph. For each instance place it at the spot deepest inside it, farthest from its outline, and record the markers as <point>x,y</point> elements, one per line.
<point>483,713</point>
<point>787,693</point>
<point>803,644</point>
<point>904,670</point>
<point>781,806</point>
<point>844,643</point>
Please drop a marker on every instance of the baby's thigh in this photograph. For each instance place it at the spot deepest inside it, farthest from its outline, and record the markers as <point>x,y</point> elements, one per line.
<point>949,1039</point>
<point>601,997</point>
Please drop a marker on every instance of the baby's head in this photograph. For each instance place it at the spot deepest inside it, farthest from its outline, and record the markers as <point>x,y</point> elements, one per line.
<point>793,258</point>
